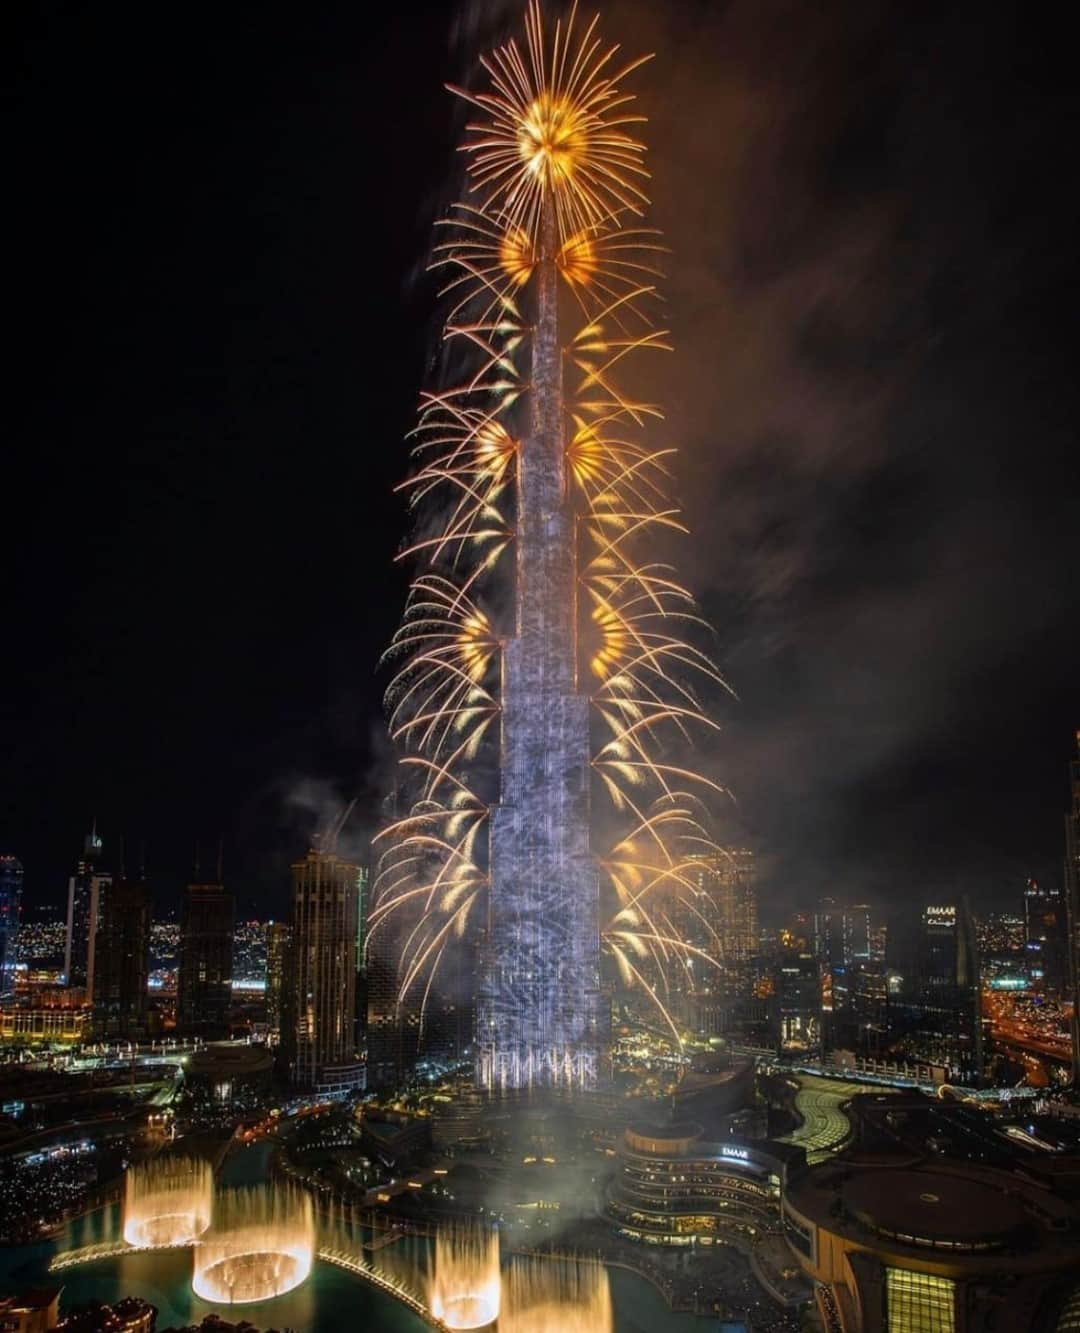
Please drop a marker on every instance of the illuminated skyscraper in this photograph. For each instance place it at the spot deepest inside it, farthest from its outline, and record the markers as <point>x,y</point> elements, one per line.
<point>279,991</point>
<point>736,894</point>
<point>77,945</point>
<point>11,882</point>
<point>321,1045</point>
<point>1045,936</point>
<point>206,960</point>
<point>949,996</point>
<point>522,696</point>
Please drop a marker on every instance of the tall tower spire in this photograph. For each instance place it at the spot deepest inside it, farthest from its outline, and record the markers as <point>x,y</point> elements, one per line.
<point>503,747</point>
<point>538,1016</point>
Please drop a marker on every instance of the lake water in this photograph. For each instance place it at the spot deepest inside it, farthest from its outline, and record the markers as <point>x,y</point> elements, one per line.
<point>330,1300</point>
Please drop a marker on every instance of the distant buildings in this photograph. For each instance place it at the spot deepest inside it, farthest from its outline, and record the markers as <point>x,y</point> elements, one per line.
<point>321,1043</point>
<point>204,984</point>
<point>1072,901</point>
<point>11,884</point>
<point>120,957</point>
<point>79,940</point>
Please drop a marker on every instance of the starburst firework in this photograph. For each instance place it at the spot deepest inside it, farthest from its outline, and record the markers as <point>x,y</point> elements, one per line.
<point>555,173</point>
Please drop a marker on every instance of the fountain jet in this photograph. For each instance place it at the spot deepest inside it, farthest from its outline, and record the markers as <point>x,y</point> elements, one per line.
<point>545,1296</point>
<point>464,1287</point>
<point>261,1244</point>
<point>167,1202</point>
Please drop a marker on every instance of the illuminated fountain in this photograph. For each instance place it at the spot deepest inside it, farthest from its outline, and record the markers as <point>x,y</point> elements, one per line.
<point>464,1288</point>
<point>167,1202</point>
<point>261,1244</point>
<point>542,1296</point>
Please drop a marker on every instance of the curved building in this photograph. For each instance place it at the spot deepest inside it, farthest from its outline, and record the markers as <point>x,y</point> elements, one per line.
<point>675,1187</point>
<point>927,1246</point>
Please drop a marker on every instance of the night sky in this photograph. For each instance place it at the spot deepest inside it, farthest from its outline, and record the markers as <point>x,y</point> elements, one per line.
<point>220,323</point>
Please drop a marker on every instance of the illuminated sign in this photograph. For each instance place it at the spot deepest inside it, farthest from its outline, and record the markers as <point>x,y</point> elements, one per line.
<point>940,916</point>
<point>1008,983</point>
<point>738,1154</point>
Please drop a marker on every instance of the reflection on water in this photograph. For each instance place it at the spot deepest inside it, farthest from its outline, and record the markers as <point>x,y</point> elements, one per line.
<point>331,1299</point>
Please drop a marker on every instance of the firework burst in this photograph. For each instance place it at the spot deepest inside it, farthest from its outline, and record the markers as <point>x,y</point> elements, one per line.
<point>554,173</point>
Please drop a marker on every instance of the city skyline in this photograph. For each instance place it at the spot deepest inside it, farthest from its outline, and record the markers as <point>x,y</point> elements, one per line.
<point>541,678</point>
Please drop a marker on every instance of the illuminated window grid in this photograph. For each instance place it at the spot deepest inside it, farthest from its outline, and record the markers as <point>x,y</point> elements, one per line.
<point>919,1302</point>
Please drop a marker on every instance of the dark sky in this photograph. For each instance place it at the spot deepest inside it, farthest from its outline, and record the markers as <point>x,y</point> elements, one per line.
<point>220,324</point>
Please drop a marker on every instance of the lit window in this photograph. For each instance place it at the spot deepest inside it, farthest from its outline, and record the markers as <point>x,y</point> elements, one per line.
<point>919,1302</point>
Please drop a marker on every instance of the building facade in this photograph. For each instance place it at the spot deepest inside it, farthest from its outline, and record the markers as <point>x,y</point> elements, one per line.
<point>119,965</point>
<point>278,974</point>
<point>204,982</point>
<point>79,938</point>
<point>539,1008</point>
<point>796,1003</point>
<point>11,886</point>
<point>930,1247</point>
<point>322,1050</point>
<point>674,1187</point>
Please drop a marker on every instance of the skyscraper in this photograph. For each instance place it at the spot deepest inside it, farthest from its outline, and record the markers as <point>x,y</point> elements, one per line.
<point>77,945</point>
<point>736,892</point>
<point>321,1045</point>
<point>120,957</point>
<point>278,977</point>
<point>949,997</point>
<point>519,701</point>
<point>206,960</point>
<point>11,882</point>
<point>539,1005</point>
<point>1072,900</point>
<point>1045,935</point>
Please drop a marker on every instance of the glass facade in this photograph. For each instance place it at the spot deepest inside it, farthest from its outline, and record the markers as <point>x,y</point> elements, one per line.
<point>919,1302</point>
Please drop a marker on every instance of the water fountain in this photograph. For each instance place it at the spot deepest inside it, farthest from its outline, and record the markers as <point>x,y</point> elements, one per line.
<point>463,1291</point>
<point>261,1244</point>
<point>167,1202</point>
<point>555,1296</point>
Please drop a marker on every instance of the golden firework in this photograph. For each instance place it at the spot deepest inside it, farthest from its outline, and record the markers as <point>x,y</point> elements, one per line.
<point>554,139</point>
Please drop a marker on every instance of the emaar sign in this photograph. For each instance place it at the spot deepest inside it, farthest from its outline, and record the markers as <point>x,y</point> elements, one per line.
<point>736,1154</point>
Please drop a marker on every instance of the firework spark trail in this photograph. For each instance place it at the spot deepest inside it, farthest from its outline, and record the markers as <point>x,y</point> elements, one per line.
<point>511,459</point>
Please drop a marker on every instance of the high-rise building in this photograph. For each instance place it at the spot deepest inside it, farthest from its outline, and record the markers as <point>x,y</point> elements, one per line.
<point>278,975</point>
<point>796,1003</point>
<point>204,984</point>
<point>11,884</point>
<point>1045,936</point>
<point>736,893</point>
<point>78,943</point>
<point>1072,900</point>
<point>948,996</point>
<point>844,942</point>
<point>321,1045</point>
<point>119,956</point>
<point>539,1005</point>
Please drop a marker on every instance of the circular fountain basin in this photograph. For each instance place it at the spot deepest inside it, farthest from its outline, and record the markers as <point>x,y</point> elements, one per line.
<point>254,1275</point>
<point>470,1311</point>
<point>164,1230</point>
